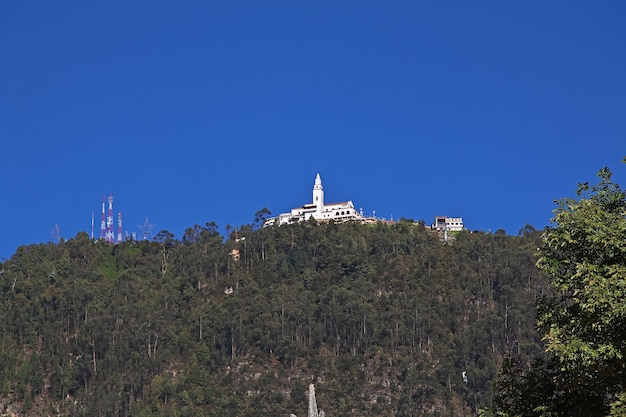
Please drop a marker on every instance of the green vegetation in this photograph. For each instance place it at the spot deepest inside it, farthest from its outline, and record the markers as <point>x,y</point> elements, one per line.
<point>584,321</point>
<point>384,319</point>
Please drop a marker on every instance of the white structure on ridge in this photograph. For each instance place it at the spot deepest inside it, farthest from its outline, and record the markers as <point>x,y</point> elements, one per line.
<point>449,224</point>
<point>343,211</point>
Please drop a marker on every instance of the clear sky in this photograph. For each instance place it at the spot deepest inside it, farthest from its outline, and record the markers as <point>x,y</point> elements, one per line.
<point>197,111</point>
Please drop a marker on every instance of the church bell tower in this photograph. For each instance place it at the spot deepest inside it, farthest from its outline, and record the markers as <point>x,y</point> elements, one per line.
<point>318,194</point>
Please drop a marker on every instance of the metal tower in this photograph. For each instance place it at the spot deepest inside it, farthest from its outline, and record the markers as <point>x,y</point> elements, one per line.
<point>103,230</point>
<point>56,233</point>
<point>110,236</point>
<point>119,227</point>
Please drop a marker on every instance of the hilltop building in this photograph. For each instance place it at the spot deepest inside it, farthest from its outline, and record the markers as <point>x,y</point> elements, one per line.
<point>444,225</point>
<point>344,211</point>
<point>449,224</point>
<point>318,210</point>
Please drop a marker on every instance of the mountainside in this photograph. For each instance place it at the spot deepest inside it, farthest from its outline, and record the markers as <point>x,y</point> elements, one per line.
<point>383,319</point>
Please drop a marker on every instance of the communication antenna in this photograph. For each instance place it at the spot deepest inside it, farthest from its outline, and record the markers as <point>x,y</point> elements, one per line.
<point>56,233</point>
<point>110,236</point>
<point>103,229</point>
<point>146,229</point>
<point>119,227</point>
<point>91,224</point>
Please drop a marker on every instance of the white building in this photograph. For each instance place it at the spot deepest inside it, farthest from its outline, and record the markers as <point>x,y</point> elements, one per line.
<point>448,224</point>
<point>343,211</point>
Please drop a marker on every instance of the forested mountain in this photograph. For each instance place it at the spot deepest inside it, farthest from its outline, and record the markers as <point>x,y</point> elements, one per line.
<point>383,319</point>
<point>583,321</point>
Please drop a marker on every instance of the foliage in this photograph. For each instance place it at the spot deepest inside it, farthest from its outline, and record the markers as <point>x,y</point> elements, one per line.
<point>384,319</point>
<point>584,320</point>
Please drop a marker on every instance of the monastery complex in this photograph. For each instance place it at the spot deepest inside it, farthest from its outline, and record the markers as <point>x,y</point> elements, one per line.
<point>345,211</point>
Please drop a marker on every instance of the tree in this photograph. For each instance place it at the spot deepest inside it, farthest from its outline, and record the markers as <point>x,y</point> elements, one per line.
<point>385,318</point>
<point>583,254</point>
<point>260,217</point>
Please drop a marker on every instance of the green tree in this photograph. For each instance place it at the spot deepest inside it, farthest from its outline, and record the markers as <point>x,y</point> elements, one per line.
<point>260,217</point>
<point>583,254</point>
<point>384,319</point>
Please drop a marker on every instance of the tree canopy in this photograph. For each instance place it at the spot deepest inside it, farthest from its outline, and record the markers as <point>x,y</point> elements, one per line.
<point>385,319</point>
<point>584,322</point>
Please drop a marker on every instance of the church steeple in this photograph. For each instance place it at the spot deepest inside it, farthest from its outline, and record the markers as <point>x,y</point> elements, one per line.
<point>318,194</point>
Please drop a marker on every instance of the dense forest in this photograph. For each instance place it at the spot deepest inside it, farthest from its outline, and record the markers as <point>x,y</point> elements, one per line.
<point>384,319</point>
<point>582,371</point>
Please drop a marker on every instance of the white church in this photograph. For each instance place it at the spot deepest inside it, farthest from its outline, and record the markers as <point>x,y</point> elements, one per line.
<point>343,211</point>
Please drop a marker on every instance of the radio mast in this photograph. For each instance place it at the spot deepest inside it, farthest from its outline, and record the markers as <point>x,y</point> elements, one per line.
<point>103,230</point>
<point>56,233</point>
<point>119,227</point>
<point>110,236</point>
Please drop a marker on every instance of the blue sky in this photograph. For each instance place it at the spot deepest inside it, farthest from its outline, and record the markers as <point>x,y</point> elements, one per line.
<point>198,111</point>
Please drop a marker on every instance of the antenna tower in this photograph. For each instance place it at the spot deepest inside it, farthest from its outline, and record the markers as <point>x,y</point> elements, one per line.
<point>146,229</point>
<point>103,229</point>
<point>56,233</point>
<point>119,227</point>
<point>110,236</point>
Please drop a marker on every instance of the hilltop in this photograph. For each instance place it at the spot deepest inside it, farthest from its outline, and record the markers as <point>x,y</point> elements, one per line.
<point>384,319</point>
